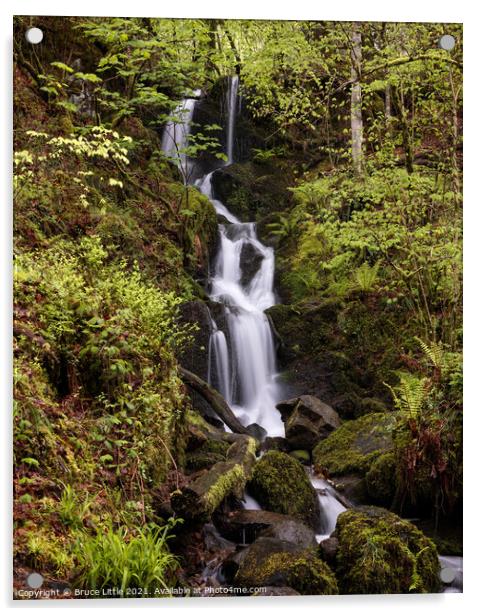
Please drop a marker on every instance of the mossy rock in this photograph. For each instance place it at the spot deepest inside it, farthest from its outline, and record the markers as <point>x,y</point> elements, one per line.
<point>205,456</point>
<point>281,484</point>
<point>379,553</point>
<point>381,480</point>
<point>270,562</point>
<point>301,455</point>
<point>354,446</point>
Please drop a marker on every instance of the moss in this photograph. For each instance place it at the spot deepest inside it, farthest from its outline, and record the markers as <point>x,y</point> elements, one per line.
<point>281,485</point>
<point>381,480</point>
<point>301,455</point>
<point>302,572</point>
<point>380,553</point>
<point>355,445</point>
<point>210,452</point>
<point>232,481</point>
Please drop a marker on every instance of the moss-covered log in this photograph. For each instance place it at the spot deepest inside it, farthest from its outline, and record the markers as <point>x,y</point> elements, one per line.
<point>203,495</point>
<point>214,399</point>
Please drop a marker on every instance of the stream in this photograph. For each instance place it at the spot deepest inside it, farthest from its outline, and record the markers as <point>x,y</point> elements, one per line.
<point>242,365</point>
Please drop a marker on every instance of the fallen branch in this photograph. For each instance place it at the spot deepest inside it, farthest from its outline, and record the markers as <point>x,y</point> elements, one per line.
<point>214,399</point>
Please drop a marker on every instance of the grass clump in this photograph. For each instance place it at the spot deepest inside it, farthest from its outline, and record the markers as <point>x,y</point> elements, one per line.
<point>113,559</point>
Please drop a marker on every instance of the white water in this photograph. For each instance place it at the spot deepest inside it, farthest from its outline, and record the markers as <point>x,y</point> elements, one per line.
<point>176,134</point>
<point>246,367</point>
<point>232,106</point>
<point>330,506</point>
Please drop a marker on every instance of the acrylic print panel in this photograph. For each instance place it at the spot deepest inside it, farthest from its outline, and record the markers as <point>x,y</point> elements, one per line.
<point>237,307</point>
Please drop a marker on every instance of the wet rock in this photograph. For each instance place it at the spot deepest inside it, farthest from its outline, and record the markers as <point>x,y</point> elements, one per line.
<point>351,487</point>
<point>307,421</point>
<point>280,484</point>
<point>194,357</point>
<point>277,443</point>
<point>250,262</point>
<point>327,550</point>
<point>272,562</point>
<point>257,431</point>
<point>247,525</point>
<point>214,541</point>
<point>401,558</point>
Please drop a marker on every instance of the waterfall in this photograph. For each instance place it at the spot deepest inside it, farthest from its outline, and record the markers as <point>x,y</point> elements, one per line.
<point>176,134</point>
<point>232,106</point>
<point>246,370</point>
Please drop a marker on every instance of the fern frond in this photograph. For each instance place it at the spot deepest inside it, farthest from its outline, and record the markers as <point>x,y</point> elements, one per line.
<point>434,353</point>
<point>411,394</point>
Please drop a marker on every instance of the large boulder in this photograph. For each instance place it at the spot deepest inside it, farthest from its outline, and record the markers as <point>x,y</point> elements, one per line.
<point>381,480</point>
<point>307,421</point>
<point>379,553</point>
<point>271,562</point>
<point>280,484</point>
<point>246,526</point>
<point>355,445</point>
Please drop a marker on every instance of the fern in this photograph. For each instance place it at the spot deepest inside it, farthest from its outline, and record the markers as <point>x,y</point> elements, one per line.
<point>434,353</point>
<point>411,394</point>
<point>365,277</point>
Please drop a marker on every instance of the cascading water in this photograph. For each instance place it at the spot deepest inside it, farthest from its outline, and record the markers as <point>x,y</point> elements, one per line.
<point>232,106</point>
<point>246,367</point>
<point>242,366</point>
<point>176,134</point>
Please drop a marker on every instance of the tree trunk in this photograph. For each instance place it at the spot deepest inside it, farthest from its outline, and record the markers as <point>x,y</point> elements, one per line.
<point>356,101</point>
<point>388,105</point>
<point>214,399</point>
<point>202,496</point>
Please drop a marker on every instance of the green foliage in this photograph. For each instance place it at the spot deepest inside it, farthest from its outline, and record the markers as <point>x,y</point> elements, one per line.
<point>118,559</point>
<point>116,333</point>
<point>72,510</point>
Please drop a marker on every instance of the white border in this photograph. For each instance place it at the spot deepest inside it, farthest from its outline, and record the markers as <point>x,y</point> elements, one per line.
<point>367,10</point>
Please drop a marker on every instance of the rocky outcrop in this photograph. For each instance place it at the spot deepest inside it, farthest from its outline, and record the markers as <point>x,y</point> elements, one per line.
<point>252,190</point>
<point>379,553</point>
<point>307,421</point>
<point>328,549</point>
<point>280,484</point>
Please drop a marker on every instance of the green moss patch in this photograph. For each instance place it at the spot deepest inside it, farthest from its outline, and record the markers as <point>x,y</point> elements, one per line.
<point>354,446</point>
<point>281,485</point>
<point>299,570</point>
<point>379,553</point>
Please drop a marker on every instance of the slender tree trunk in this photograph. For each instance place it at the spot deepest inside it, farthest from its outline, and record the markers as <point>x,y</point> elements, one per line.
<point>356,101</point>
<point>388,104</point>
